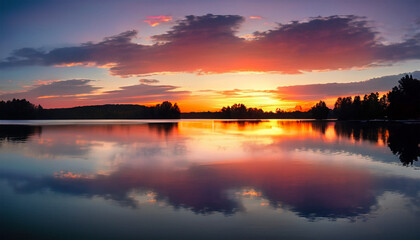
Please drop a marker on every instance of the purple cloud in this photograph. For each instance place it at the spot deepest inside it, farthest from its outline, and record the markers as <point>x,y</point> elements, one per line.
<point>315,92</point>
<point>209,44</point>
<point>78,92</point>
<point>54,89</point>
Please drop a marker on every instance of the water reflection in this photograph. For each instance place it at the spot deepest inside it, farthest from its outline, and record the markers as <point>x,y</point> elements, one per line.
<point>314,169</point>
<point>402,139</point>
<point>309,190</point>
<point>17,133</point>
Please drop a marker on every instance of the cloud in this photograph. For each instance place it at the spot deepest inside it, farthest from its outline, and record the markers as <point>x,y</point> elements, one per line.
<point>79,92</point>
<point>209,44</point>
<point>153,21</point>
<point>255,17</point>
<point>141,93</point>
<point>148,81</point>
<point>315,92</point>
<point>49,89</point>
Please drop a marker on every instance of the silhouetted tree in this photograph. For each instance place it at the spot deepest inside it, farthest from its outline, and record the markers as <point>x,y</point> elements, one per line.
<point>167,110</point>
<point>22,109</point>
<point>373,107</point>
<point>227,113</point>
<point>236,111</point>
<point>357,108</point>
<point>343,108</point>
<point>19,109</point>
<point>320,110</point>
<point>404,99</point>
<point>240,111</point>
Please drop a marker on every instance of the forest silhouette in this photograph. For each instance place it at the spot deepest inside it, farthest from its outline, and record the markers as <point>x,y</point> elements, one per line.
<point>23,109</point>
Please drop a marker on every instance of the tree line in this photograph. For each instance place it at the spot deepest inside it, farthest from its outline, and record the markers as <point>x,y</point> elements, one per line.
<point>23,109</point>
<point>402,102</point>
<point>240,111</point>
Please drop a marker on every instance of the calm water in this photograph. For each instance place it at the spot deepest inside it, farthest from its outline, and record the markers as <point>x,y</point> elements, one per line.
<point>209,179</point>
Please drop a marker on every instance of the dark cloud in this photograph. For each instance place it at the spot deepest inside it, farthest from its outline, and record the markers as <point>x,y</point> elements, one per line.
<point>314,92</point>
<point>148,81</point>
<point>208,44</point>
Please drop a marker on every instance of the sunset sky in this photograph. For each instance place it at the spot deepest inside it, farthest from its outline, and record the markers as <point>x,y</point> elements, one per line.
<point>204,54</point>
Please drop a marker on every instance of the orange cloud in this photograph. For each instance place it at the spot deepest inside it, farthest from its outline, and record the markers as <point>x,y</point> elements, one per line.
<point>156,20</point>
<point>255,17</point>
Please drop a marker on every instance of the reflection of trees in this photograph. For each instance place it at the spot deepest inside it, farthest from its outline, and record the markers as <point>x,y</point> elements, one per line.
<point>372,132</point>
<point>241,124</point>
<point>17,133</point>
<point>404,141</point>
<point>320,110</point>
<point>165,128</point>
<point>320,126</point>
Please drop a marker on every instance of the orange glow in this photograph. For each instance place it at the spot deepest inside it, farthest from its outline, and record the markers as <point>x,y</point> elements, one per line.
<point>69,175</point>
<point>255,17</point>
<point>202,103</point>
<point>251,193</point>
<point>153,21</point>
<point>86,64</point>
<point>70,64</point>
<point>248,36</point>
<point>54,96</point>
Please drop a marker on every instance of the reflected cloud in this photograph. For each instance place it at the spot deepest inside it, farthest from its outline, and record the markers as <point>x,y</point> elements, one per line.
<point>310,190</point>
<point>51,141</point>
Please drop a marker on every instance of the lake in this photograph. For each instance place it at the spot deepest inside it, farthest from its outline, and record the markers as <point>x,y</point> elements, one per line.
<point>209,179</point>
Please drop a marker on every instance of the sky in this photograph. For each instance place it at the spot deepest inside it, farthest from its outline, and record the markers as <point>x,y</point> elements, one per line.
<point>205,54</point>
